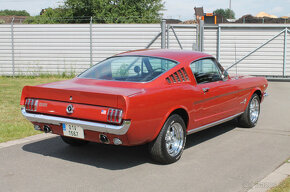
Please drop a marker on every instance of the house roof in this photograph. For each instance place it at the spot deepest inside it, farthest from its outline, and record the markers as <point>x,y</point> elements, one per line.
<point>199,11</point>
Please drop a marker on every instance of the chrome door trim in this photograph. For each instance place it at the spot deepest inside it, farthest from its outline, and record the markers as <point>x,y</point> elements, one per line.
<point>212,124</point>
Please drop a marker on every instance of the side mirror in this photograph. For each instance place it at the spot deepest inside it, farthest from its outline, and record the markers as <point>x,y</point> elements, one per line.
<point>225,75</point>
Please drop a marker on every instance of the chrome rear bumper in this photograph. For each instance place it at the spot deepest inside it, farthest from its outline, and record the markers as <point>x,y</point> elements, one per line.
<point>87,125</point>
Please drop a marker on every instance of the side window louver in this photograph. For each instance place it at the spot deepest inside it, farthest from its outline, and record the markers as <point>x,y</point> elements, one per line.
<point>178,77</point>
<point>173,78</point>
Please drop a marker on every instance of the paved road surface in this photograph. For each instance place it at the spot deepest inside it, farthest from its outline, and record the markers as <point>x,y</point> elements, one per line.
<point>223,158</point>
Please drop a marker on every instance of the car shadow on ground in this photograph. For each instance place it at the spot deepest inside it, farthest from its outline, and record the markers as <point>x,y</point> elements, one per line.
<point>202,136</point>
<point>114,157</point>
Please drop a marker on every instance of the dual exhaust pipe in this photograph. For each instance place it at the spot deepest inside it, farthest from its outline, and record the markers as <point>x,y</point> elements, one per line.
<point>46,128</point>
<point>103,137</point>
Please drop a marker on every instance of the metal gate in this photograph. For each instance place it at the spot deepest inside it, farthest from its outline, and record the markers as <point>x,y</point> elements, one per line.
<point>254,49</point>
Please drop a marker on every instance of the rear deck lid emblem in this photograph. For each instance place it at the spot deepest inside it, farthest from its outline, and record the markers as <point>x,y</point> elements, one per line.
<point>70,109</point>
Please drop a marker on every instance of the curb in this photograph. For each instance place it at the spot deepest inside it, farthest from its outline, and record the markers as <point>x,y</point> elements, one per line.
<point>26,139</point>
<point>273,179</point>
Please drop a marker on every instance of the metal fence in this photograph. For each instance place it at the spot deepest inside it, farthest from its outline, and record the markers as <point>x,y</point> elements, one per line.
<point>71,48</point>
<point>32,49</point>
<point>258,49</point>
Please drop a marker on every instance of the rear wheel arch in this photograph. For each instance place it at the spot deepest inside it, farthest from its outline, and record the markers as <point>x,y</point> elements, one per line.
<point>181,111</point>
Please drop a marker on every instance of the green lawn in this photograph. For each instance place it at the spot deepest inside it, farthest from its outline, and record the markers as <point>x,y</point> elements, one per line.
<point>12,124</point>
<point>284,186</point>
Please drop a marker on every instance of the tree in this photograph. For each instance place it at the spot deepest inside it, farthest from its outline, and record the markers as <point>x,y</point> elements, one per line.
<point>8,12</point>
<point>104,11</point>
<point>51,16</point>
<point>226,13</point>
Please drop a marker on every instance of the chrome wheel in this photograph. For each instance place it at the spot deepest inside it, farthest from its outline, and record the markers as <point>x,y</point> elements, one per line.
<point>174,139</point>
<point>254,109</point>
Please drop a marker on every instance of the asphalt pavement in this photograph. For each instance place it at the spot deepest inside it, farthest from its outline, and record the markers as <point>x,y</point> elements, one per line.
<point>224,158</point>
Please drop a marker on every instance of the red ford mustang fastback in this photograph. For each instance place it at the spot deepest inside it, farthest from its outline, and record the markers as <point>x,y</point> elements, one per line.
<point>145,96</point>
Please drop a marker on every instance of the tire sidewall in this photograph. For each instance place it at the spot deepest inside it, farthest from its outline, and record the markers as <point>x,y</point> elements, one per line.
<point>248,110</point>
<point>172,119</point>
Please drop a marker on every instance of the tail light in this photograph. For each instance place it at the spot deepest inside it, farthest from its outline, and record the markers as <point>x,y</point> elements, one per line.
<point>115,115</point>
<point>31,104</point>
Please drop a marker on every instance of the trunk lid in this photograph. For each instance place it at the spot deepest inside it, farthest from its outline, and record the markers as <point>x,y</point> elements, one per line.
<point>90,98</point>
<point>85,91</point>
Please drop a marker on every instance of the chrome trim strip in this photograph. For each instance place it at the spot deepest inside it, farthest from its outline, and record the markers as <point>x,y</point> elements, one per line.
<point>87,125</point>
<point>120,116</point>
<point>212,124</point>
<point>115,115</point>
<point>35,105</point>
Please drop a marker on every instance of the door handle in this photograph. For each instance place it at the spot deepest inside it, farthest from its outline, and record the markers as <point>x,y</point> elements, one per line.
<point>205,90</point>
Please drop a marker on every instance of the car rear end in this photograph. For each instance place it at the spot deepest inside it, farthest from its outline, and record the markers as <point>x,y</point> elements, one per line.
<point>104,104</point>
<point>77,112</point>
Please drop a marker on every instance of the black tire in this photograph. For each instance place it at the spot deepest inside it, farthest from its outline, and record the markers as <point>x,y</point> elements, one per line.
<point>73,141</point>
<point>159,149</point>
<point>245,119</point>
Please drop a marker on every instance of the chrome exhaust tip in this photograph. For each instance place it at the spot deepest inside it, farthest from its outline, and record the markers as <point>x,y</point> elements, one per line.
<point>104,139</point>
<point>46,129</point>
<point>37,128</point>
<point>117,141</point>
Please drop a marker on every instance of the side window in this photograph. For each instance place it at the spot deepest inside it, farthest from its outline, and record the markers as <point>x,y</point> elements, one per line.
<point>205,71</point>
<point>121,67</point>
<point>159,65</point>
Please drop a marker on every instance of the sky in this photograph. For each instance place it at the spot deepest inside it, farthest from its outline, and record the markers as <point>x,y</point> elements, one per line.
<point>179,9</point>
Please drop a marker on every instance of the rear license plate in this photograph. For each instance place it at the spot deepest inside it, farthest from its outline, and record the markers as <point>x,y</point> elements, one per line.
<point>73,130</point>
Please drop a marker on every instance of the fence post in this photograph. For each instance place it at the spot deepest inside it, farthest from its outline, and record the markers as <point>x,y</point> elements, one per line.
<point>12,47</point>
<point>219,43</point>
<point>167,46</point>
<point>200,35</point>
<point>285,52</point>
<point>91,41</point>
<point>163,34</point>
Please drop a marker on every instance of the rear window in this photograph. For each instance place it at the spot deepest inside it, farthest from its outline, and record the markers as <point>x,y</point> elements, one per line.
<point>129,68</point>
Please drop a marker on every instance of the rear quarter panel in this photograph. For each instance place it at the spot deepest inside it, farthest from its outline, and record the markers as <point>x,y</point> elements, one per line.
<point>150,110</point>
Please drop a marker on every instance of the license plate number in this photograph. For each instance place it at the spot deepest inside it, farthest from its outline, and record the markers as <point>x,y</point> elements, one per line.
<point>73,131</point>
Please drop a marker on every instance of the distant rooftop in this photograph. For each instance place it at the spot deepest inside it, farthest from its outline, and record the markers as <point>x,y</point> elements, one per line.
<point>199,11</point>
<point>263,14</point>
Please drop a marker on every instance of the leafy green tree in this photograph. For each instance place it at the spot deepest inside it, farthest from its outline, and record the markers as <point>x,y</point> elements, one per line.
<point>51,16</point>
<point>226,13</point>
<point>8,12</point>
<point>103,11</point>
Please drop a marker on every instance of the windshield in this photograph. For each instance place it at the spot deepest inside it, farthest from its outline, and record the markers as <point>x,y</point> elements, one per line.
<point>129,68</point>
